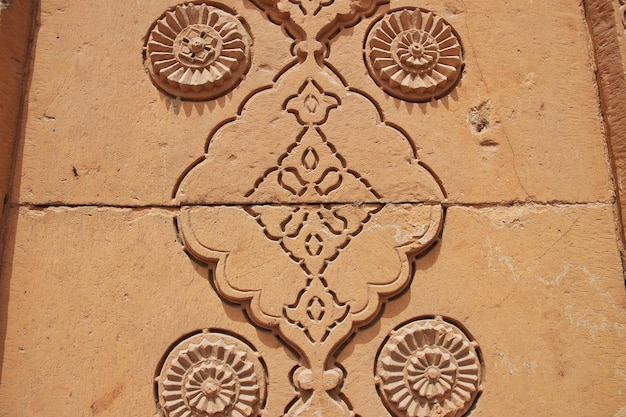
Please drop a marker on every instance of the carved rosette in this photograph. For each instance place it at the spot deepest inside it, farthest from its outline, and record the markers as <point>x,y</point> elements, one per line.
<point>197,51</point>
<point>211,374</point>
<point>429,368</point>
<point>414,55</point>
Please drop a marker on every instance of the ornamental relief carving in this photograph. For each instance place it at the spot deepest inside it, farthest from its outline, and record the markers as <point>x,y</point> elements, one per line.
<point>211,374</point>
<point>197,51</point>
<point>330,201</point>
<point>429,367</point>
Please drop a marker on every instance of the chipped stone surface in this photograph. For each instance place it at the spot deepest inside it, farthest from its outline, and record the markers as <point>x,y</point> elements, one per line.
<point>608,36</point>
<point>547,308</point>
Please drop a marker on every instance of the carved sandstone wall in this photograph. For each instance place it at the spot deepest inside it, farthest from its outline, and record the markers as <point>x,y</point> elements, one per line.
<point>316,208</point>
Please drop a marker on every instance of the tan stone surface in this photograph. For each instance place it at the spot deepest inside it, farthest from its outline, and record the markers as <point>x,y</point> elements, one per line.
<point>523,80</point>
<point>538,85</point>
<point>286,213</point>
<point>540,289</point>
<point>95,111</point>
<point>93,307</point>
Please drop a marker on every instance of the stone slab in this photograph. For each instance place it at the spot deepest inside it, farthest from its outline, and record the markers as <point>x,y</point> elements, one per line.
<point>314,194</point>
<point>522,125</point>
<point>541,290</point>
<point>96,297</point>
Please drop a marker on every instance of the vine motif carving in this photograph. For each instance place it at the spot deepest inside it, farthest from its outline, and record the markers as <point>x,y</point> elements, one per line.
<point>429,367</point>
<point>414,55</point>
<point>302,18</point>
<point>197,51</point>
<point>211,374</point>
<point>317,312</point>
<point>622,10</point>
<point>312,168</point>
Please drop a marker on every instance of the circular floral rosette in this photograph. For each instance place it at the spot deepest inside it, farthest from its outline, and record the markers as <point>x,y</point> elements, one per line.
<point>211,374</point>
<point>197,51</point>
<point>429,368</point>
<point>414,55</point>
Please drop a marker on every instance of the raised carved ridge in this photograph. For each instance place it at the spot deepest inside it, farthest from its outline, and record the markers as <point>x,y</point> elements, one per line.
<point>414,55</point>
<point>211,374</point>
<point>429,367</point>
<point>197,51</point>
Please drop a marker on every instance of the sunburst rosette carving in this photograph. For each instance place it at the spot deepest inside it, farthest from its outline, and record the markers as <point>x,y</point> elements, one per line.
<point>211,374</point>
<point>414,55</point>
<point>429,367</point>
<point>197,51</point>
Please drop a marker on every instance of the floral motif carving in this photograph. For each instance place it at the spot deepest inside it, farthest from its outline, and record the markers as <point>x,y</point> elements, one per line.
<point>414,55</point>
<point>211,374</point>
<point>317,312</point>
<point>312,168</point>
<point>429,367</point>
<point>312,104</point>
<point>197,51</point>
<point>313,235</point>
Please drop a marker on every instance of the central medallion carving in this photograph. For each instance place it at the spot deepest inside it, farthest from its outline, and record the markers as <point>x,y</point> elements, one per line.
<point>335,241</point>
<point>313,230</point>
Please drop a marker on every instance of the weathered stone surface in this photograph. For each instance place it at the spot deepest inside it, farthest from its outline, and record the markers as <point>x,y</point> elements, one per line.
<point>378,210</point>
<point>541,290</point>
<point>126,129</point>
<point>93,306</point>
<point>16,28</point>
<point>534,91</point>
